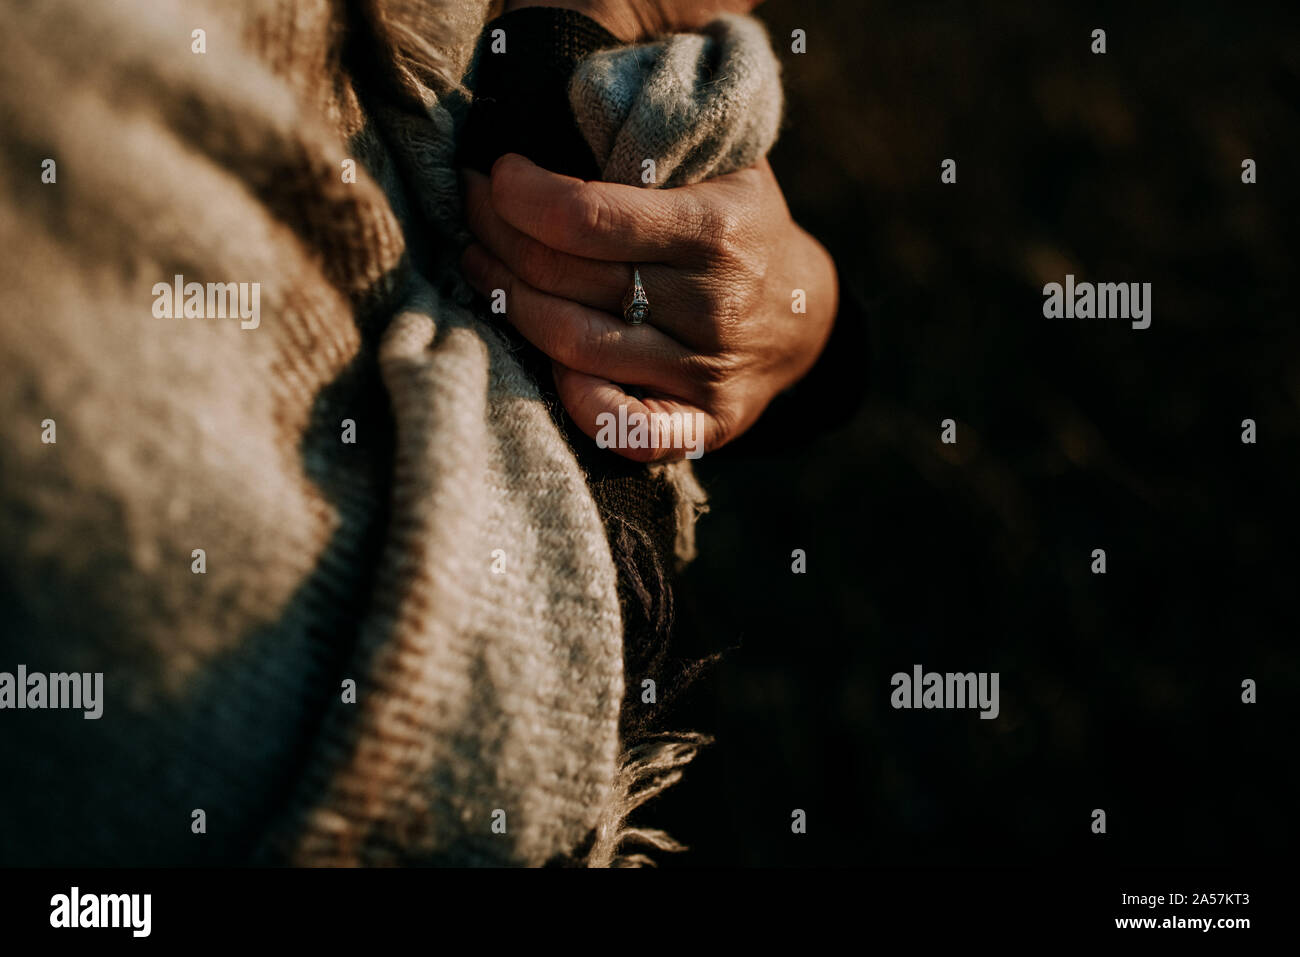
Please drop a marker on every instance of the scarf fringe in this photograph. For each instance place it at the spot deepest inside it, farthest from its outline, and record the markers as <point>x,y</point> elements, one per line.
<point>645,770</point>
<point>691,501</point>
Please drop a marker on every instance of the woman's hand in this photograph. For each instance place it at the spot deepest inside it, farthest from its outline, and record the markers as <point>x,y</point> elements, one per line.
<point>633,20</point>
<point>724,266</point>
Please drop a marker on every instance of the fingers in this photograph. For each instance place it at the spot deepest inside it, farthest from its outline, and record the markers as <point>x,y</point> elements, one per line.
<point>591,282</point>
<point>606,221</point>
<point>679,301</point>
<point>582,338</point>
<point>644,430</point>
<point>710,256</point>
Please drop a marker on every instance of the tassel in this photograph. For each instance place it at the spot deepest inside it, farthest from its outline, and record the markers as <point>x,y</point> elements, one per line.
<point>645,770</point>
<point>691,502</point>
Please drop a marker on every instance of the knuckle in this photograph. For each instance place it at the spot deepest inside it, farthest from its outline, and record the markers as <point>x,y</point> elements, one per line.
<point>587,211</point>
<point>722,299</point>
<point>729,300</point>
<point>585,339</point>
<point>712,333</point>
<point>600,344</point>
<point>713,376</point>
<point>726,234</point>
<point>538,266</point>
<point>555,334</point>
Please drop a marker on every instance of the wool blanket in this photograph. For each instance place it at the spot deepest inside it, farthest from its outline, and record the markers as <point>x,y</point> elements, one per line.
<point>267,466</point>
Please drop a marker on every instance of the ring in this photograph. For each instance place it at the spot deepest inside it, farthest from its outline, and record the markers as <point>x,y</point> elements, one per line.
<point>636,304</point>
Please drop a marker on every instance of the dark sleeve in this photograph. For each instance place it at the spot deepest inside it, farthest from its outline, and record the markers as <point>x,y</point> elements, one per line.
<point>521,96</point>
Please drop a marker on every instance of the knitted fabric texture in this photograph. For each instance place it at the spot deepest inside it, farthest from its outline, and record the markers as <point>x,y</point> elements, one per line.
<point>480,697</point>
<point>698,105</point>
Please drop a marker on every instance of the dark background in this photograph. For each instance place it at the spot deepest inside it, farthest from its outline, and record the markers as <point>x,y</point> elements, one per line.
<point>1121,691</point>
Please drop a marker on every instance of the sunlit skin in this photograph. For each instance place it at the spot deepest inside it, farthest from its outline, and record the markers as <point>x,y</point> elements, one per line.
<point>720,261</point>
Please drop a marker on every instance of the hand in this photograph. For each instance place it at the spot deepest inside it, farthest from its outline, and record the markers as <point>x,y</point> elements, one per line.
<point>720,262</point>
<point>633,20</point>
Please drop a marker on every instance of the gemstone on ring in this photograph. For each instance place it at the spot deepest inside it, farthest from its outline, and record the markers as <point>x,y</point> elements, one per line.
<point>636,305</point>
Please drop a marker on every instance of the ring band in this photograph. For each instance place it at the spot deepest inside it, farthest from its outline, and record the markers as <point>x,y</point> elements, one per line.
<point>636,304</point>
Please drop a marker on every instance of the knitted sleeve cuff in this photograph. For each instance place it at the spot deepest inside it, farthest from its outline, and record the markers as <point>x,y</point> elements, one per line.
<point>521,99</point>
